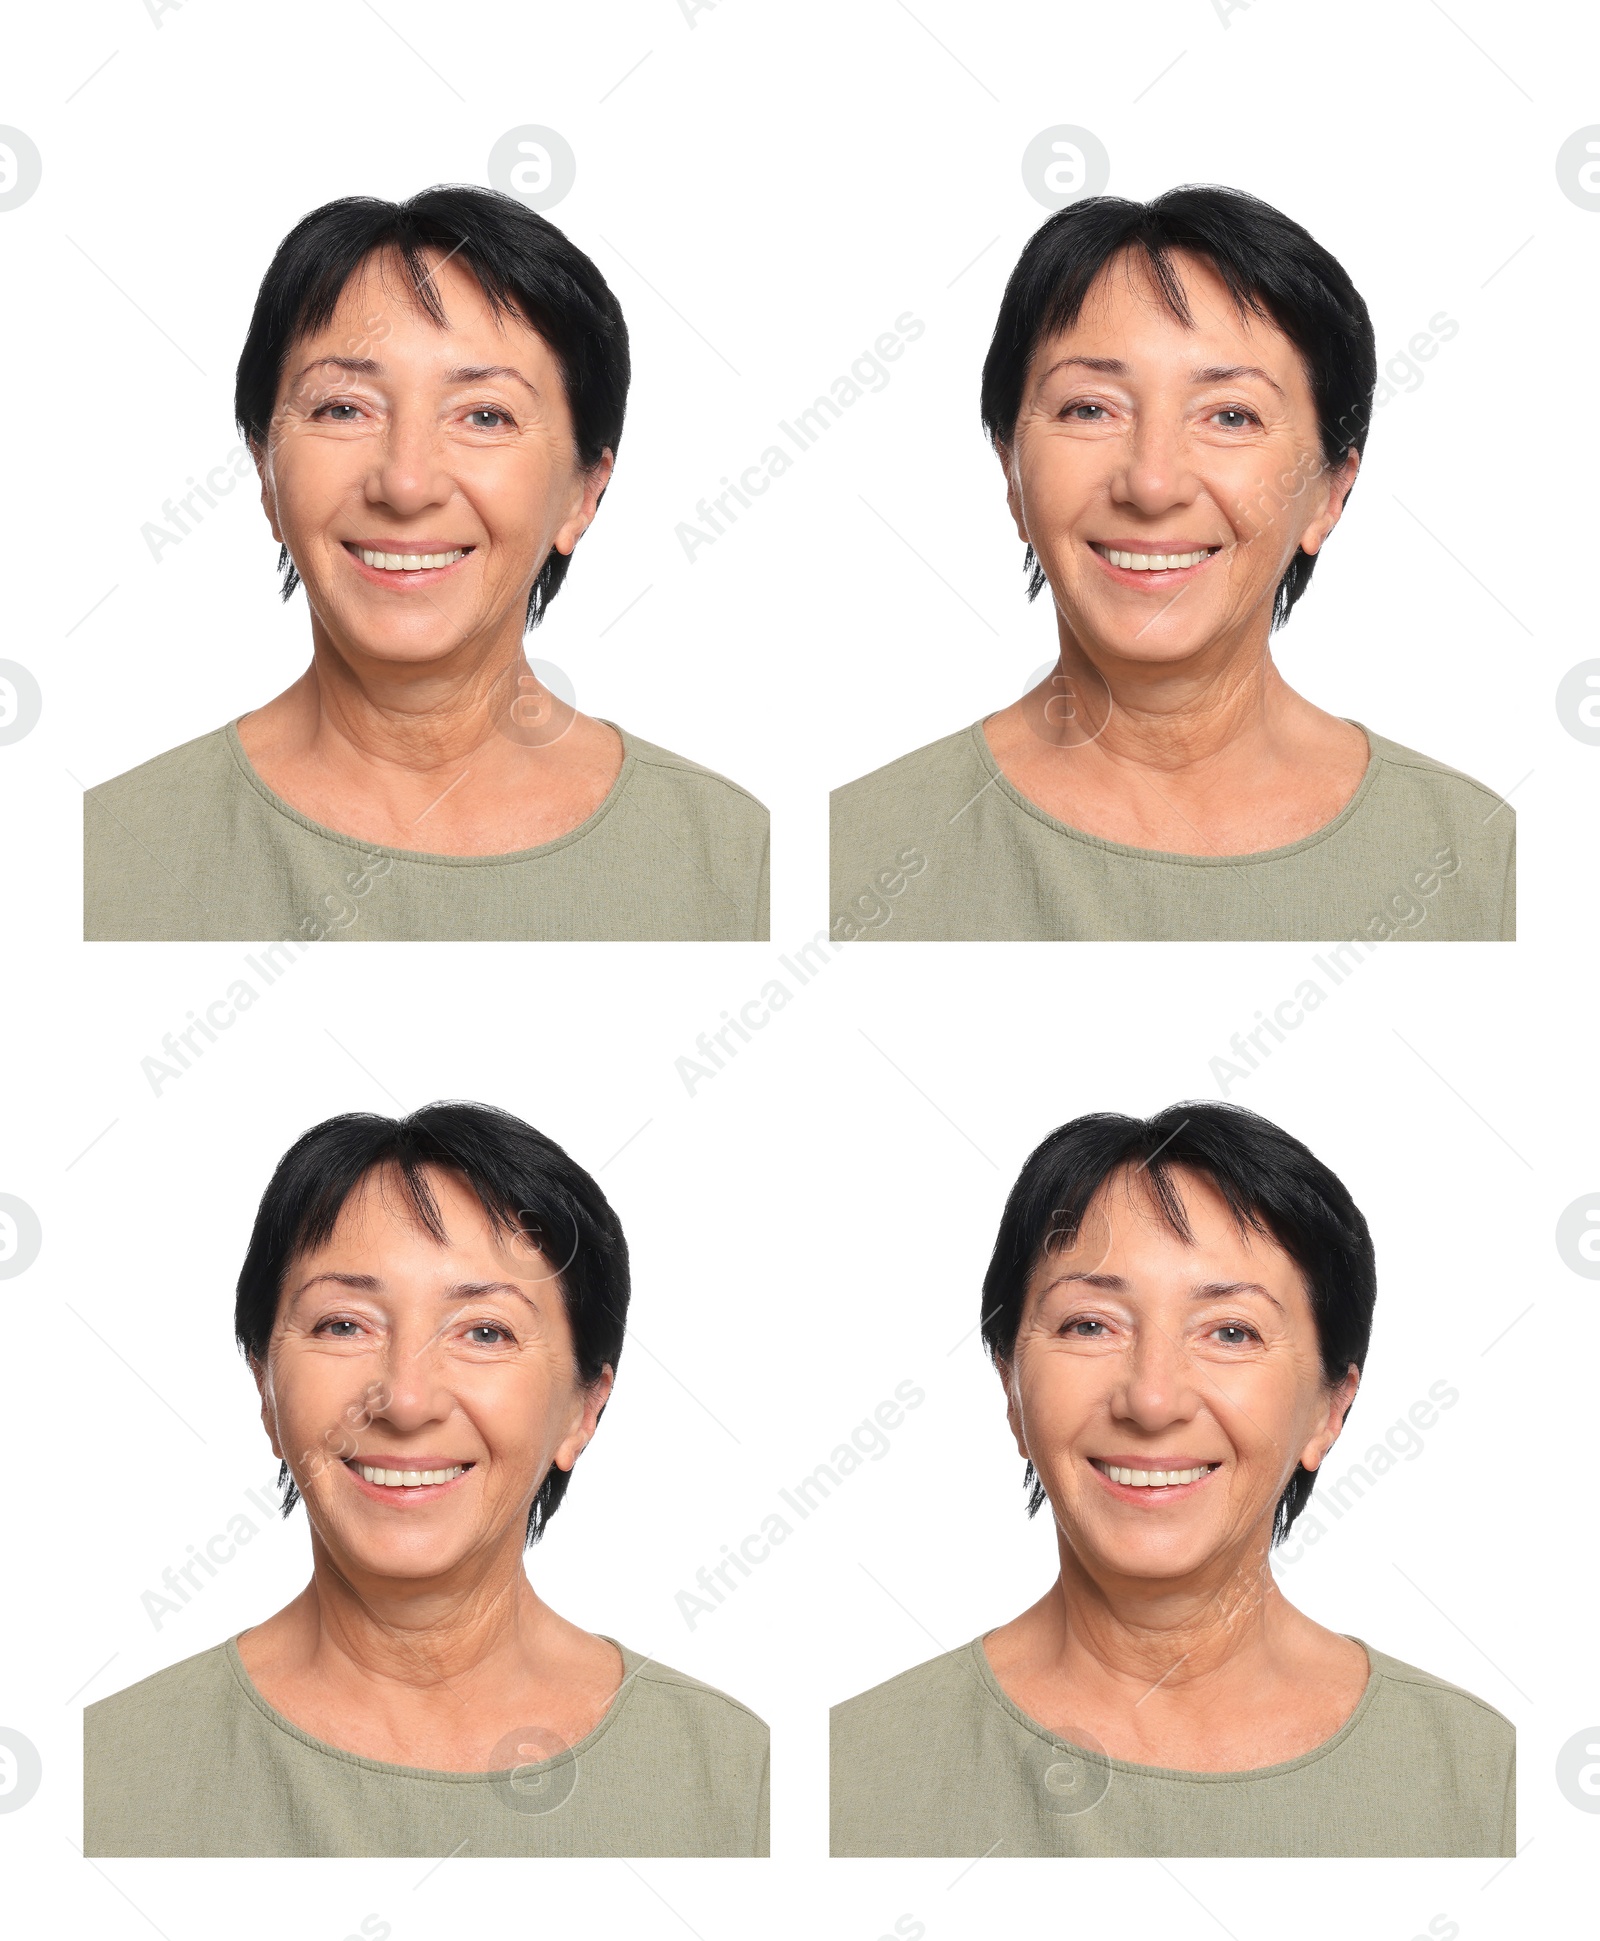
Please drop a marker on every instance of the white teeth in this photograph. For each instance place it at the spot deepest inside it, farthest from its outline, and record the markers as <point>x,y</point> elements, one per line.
<point>1156,562</point>
<point>410,562</point>
<point>410,1478</point>
<point>1157,1478</point>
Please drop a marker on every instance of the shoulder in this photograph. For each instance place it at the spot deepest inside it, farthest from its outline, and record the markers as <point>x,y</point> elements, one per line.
<point>667,774</point>
<point>1423,775</point>
<point>169,1704</point>
<point>928,772</point>
<point>1443,1711</point>
<point>693,1710</point>
<point>922,1700</point>
<point>193,767</point>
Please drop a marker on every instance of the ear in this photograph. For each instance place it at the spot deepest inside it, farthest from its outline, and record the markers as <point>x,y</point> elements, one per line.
<point>595,481</point>
<point>1314,1454</point>
<point>1337,482</point>
<point>578,1438</point>
<point>1006,455</point>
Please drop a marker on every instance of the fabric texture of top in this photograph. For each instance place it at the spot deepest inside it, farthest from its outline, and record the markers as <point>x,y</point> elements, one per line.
<point>939,1763</point>
<point>194,1762</point>
<point>939,846</point>
<point>194,846</point>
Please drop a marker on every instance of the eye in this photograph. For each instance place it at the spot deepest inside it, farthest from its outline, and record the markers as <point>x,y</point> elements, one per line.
<point>329,412</point>
<point>1077,1328</point>
<point>1244,419</point>
<point>334,1325</point>
<point>1238,1335</point>
<point>487,1328</point>
<point>1073,412</point>
<point>487,411</point>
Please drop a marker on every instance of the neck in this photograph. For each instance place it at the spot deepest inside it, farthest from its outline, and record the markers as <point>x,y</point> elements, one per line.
<point>1224,704</point>
<point>1138,1636</point>
<point>430,720</point>
<point>472,1628</point>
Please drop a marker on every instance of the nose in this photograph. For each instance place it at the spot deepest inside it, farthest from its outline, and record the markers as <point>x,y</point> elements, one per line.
<point>1156,474</point>
<point>1158,1387</point>
<point>414,1394</point>
<point>409,474</point>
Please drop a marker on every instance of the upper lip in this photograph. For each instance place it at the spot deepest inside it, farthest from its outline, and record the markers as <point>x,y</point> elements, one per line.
<point>392,1459</point>
<point>409,545</point>
<point>1158,545</point>
<point>1157,1462</point>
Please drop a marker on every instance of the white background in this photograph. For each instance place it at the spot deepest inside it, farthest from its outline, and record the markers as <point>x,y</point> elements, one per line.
<point>767,189</point>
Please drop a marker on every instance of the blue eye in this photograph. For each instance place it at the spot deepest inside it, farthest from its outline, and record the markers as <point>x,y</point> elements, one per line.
<point>489,411</point>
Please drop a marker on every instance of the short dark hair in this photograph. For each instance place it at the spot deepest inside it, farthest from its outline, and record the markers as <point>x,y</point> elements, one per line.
<point>1270,1183</point>
<point>1271,267</point>
<point>525,267</point>
<point>524,1182</point>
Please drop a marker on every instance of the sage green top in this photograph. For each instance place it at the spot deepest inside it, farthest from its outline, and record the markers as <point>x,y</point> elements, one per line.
<point>939,846</point>
<point>194,846</point>
<point>195,1763</point>
<point>938,1763</point>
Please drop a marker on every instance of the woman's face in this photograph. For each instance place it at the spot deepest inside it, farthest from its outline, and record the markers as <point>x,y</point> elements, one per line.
<point>1141,436</point>
<point>1144,1355</point>
<point>395,437</point>
<point>394,1352</point>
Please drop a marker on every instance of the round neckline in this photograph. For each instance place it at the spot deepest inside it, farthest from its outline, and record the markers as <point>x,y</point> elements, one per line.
<point>498,858</point>
<point>632,1663</point>
<point>1244,857</point>
<point>1362,1706</point>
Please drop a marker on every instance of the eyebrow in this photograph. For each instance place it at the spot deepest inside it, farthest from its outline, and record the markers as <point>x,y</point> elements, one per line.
<point>1204,1291</point>
<point>1206,374</point>
<point>460,1291</point>
<point>462,374</point>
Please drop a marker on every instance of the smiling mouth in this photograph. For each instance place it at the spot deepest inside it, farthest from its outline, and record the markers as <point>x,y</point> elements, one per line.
<point>1156,1479</point>
<point>1167,562</point>
<point>386,562</point>
<point>407,1478</point>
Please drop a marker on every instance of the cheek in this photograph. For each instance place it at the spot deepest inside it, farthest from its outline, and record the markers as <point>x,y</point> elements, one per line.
<point>1058,1398</point>
<point>309,479</point>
